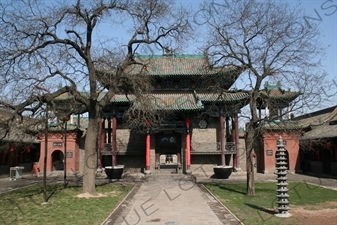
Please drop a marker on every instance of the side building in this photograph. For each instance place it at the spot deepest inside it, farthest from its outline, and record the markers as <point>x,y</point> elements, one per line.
<point>318,144</point>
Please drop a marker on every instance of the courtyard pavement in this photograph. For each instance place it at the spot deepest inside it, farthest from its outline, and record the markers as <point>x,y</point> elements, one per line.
<point>183,200</point>
<point>169,199</point>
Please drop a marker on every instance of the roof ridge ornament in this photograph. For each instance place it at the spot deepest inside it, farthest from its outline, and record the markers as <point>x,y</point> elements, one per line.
<point>167,51</point>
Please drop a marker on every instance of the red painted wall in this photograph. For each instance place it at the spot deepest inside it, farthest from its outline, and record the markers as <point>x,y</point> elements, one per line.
<point>270,143</point>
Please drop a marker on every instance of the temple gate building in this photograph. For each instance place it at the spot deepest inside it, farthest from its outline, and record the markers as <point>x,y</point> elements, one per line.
<point>201,121</point>
<point>200,128</point>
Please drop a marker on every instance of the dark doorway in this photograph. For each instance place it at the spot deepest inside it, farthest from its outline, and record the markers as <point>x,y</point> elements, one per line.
<point>168,149</point>
<point>168,143</point>
<point>57,160</point>
<point>327,159</point>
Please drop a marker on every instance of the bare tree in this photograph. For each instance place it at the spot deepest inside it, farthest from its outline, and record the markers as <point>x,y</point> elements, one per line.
<point>274,43</point>
<point>53,47</point>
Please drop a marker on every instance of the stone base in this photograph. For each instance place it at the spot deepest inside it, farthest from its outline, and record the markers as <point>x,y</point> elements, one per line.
<point>188,171</point>
<point>283,215</point>
<point>147,172</point>
<point>237,169</point>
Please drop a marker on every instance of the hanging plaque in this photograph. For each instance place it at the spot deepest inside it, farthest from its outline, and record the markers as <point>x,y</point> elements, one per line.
<point>57,144</point>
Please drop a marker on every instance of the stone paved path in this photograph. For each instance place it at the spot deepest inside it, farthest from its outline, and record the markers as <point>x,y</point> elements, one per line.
<point>171,200</point>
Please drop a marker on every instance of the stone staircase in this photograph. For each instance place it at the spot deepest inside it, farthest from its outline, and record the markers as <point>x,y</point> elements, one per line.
<point>168,169</point>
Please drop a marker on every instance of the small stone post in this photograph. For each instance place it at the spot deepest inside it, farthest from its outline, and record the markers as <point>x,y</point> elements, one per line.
<point>282,171</point>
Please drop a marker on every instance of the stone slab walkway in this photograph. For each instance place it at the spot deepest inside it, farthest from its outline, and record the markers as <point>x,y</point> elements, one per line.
<point>170,200</point>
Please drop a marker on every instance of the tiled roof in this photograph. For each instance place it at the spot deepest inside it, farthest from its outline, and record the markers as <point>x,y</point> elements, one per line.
<point>18,136</point>
<point>319,118</point>
<point>226,97</point>
<point>274,94</point>
<point>172,65</point>
<point>119,98</point>
<point>59,127</point>
<point>331,116</point>
<point>281,125</point>
<point>179,101</point>
<point>19,131</point>
<point>280,95</point>
<point>186,101</point>
<point>276,98</point>
<point>319,124</point>
<point>174,101</point>
<point>322,131</point>
<point>64,96</point>
<point>68,96</point>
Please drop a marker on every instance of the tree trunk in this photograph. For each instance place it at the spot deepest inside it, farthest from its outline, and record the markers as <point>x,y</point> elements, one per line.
<point>250,138</point>
<point>90,157</point>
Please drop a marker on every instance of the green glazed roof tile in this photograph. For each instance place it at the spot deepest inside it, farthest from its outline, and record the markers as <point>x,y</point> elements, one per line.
<point>282,125</point>
<point>280,94</point>
<point>176,102</point>
<point>185,101</point>
<point>227,97</point>
<point>169,101</point>
<point>175,65</point>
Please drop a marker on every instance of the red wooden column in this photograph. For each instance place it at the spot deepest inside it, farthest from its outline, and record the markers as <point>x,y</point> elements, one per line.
<point>114,140</point>
<point>222,141</point>
<point>147,148</point>
<point>188,145</point>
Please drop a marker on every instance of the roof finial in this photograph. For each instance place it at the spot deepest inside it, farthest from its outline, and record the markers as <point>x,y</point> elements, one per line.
<point>168,51</point>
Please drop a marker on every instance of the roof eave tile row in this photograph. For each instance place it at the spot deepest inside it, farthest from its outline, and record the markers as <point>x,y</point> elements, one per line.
<point>184,101</point>
<point>281,125</point>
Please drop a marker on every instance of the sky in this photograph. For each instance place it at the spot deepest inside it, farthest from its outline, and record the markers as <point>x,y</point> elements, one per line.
<point>324,12</point>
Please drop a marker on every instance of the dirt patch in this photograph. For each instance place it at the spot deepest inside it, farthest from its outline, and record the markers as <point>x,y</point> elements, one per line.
<point>87,195</point>
<point>325,213</point>
<point>113,193</point>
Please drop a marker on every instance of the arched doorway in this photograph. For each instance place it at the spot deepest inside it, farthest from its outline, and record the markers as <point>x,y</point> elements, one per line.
<point>57,160</point>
